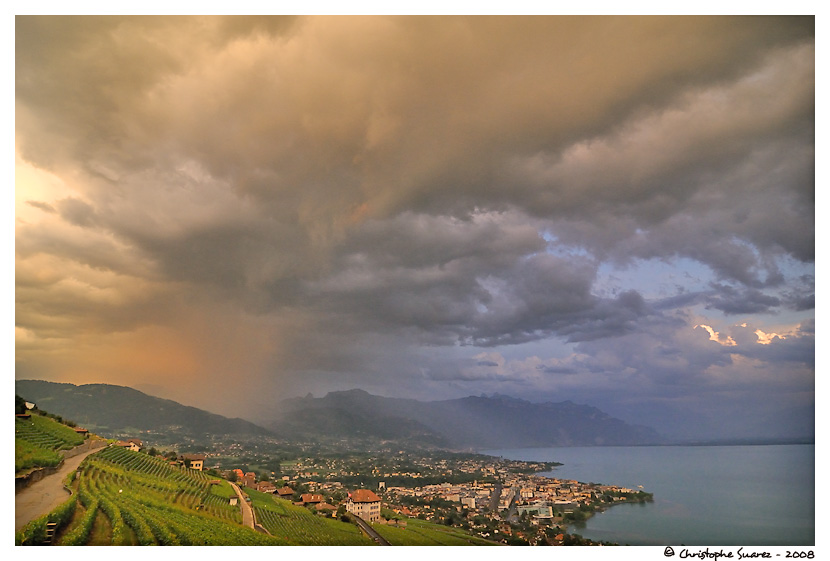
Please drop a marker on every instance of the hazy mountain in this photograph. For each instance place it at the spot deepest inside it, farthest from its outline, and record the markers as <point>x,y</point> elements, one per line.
<point>351,416</point>
<point>470,422</point>
<point>112,410</point>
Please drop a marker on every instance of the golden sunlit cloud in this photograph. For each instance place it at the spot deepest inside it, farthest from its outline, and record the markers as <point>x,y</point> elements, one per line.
<point>767,338</point>
<point>716,337</point>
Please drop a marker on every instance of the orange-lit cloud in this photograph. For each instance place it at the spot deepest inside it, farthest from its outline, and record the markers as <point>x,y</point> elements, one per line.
<point>716,337</point>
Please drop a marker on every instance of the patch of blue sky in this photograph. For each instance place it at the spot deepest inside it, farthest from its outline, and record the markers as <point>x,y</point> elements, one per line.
<point>559,249</point>
<point>794,269</point>
<point>653,278</point>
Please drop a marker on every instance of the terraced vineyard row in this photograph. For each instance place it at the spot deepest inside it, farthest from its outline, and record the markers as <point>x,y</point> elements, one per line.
<point>147,501</point>
<point>46,433</point>
<point>37,440</point>
<point>27,455</point>
<point>297,526</point>
<point>425,533</point>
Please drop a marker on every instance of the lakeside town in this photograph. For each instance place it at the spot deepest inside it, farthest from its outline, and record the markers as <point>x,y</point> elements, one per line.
<point>495,498</point>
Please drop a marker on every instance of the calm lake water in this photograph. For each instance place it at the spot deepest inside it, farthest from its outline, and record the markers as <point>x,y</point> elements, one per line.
<point>703,495</point>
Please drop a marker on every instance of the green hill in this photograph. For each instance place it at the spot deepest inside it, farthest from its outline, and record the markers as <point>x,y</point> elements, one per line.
<point>112,410</point>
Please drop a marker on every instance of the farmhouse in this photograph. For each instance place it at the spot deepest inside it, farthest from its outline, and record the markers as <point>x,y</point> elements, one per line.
<point>285,492</point>
<point>193,461</point>
<point>310,498</point>
<point>249,480</point>
<point>325,508</point>
<point>365,504</point>
<point>133,444</point>
<point>266,487</point>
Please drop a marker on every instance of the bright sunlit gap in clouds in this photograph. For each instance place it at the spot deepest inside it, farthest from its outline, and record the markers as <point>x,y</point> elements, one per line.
<point>618,211</point>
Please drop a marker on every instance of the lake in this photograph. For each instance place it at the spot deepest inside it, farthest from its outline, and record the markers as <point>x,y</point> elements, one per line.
<point>703,495</point>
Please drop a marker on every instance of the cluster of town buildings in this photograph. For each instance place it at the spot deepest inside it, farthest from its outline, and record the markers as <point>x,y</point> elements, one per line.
<point>515,494</point>
<point>361,502</point>
<point>540,497</point>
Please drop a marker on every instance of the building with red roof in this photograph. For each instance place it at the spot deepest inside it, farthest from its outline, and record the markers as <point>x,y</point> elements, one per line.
<point>364,504</point>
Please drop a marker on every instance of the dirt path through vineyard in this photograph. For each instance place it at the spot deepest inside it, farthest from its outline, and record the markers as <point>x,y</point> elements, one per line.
<point>42,496</point>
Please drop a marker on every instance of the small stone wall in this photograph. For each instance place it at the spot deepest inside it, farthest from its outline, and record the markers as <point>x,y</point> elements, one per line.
<point>23,481</point>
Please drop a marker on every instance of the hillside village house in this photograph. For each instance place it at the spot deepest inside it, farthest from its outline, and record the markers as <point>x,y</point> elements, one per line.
<point>193,461</point>
<point>133,444</point>
<point>249,480</point>
<point>266,487</point>
<point>311,498</point>
<point>285,492</point>
<point>326,509</point>
<point>365,504</point>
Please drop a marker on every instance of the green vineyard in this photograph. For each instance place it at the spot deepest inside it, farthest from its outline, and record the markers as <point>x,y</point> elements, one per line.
<point>130,498</point>
<point>37,440</point>
<point>296,525</point>
<point>46,433</point>
<point>146,501</point>
<point>418,532</point>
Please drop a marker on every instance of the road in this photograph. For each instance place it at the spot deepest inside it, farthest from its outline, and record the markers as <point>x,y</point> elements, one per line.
<point>247,511</point>
<point>370,531</point>
<point>43,496</point>
<point>494,497</point>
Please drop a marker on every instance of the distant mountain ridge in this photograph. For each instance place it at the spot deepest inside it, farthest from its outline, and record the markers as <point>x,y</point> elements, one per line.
<point>471,422</point>
<point>110,410</point>
<point>355,416</point>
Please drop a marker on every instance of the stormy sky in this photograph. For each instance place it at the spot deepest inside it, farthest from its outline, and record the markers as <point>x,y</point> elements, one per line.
<point>618,211</point>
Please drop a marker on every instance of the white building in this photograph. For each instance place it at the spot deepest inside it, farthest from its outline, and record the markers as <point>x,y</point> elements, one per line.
<point>469,502</point>
<point>364,504</point>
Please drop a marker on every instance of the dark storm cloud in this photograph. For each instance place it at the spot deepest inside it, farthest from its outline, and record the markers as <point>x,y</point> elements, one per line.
<point>731,300</point>
<point>335,192</point>
<point>668,358</point>
<point>800,295</point>
<point>77,212</point>
<point>485,281</point>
